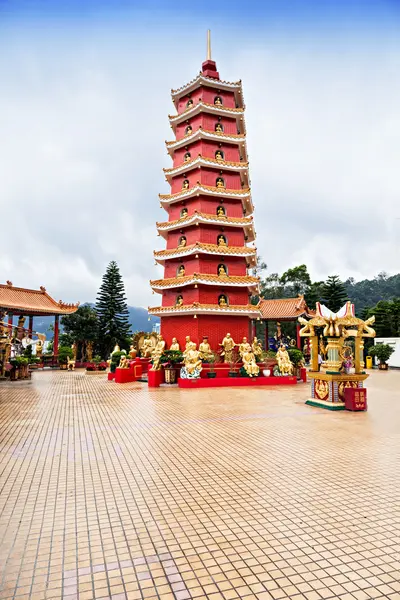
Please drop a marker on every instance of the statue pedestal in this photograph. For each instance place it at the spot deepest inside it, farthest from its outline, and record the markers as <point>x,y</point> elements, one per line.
<point>155,378</point>
<point>328,388</point>
<point>146,364</point>
<point>124,375</point>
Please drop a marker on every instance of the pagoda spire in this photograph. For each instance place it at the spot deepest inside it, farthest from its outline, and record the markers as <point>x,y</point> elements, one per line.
<point>209,67</point>
<point>208,44</point>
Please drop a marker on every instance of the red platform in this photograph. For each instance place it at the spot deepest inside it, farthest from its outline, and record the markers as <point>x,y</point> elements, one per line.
<point>155,378</point>
<point>111,376</point>
<point>236,382</point>
<point>124,375</point>
<point>355,399</point>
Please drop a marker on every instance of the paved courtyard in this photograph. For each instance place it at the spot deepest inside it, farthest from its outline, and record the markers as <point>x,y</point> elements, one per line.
<point>120,492</point>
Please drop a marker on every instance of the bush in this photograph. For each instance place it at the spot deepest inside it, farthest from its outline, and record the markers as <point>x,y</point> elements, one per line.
<point>382,352</point>
<point>115,358</point>
<point>169,358</point>
<point>296,356</point>
<point>64,353</point>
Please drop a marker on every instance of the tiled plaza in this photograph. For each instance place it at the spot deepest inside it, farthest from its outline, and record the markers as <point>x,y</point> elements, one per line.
<point>119,492</point>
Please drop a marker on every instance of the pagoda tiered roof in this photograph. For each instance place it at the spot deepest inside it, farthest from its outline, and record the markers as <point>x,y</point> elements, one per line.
<point>207,190</point>
<point>205,279</point>
<point>198,308</point>
<point>216,109</point>
<point>201,248</point>
<point>284,308</point>
<point>204,161</point>
<point>198,217</point>
<point>200,133</point>
<point>218,84</point>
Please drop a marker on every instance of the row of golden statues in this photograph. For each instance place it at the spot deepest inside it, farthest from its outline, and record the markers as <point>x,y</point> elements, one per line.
<point>217,101</point>
<point>222,301</point>
<point>221,212</point>
<point>221,241</point>
<point>219,183</point>
<point>221,271</point>
<point>219,155</point>
<point>218,128</point>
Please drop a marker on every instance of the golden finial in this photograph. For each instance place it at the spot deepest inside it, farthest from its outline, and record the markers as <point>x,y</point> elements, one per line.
<point>208,44</point>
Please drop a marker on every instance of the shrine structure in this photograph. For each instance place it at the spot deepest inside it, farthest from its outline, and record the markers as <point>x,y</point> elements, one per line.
<point>207,287</point>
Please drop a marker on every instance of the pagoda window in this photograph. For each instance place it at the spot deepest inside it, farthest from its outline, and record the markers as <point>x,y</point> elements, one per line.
<point>187,157</point>
<point>221,212</point>
<point>179,301</point>
<point>220,183</point>
<point>223,300</point>
<point>180,272</point>
<point>219,128</point>
<point>222,270</point>
<point>218,101</point>
<point>221,240</point>
<point>182,242</point>
<point>188,130</point>
<point>219,155</point>
<point>185,184</point>
<point>189,103</point>
<point>184,213</point>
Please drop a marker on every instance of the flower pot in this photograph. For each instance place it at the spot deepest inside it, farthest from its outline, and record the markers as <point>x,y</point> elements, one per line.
<point>383,366</point>
<point>170,375</point>
<point>211,375</point>
<point>267,372</point>
<point>232,374</point>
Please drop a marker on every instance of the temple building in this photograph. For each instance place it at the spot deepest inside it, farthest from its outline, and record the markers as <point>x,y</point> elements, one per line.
<point>207,262</point>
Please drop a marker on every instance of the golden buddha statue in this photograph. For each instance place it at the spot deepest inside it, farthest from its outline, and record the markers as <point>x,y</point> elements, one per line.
<point>219,128</point>
<point>39,349</point>
<point>147,348</point>
<point>322,348</point>
<point>284,362</point>
<point>221,211</point>
<point>256,348</point>
<point>174,344</point>
<point>182,242</point>
<point>188,130</point>
<point>187,157</point>
<point>192,363</point>
<point>244,347</point>
<point>157,352</point>
<point>185,184</point>
<point>222,271</point>
<point>222,301</point>
<point>218,101</point>
<point>221,241</point>
<point>228,346</point>
<point>132,352</point>
<point>123,362</point>
<point>219,155</point>
<point>220,183</point>
<point>179,301</point>
<point>188,344</point>
<point>205,349</point>
<point>249,364</point>
<point>189,103</point>
<point>184,213</point>
<point>181,271</point>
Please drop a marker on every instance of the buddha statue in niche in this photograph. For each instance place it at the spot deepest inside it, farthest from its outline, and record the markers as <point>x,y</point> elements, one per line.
<point>189,103</point>
<point>221,241</point>
<point>222,272</point>
<point>219,128</point>
<point>218,101</point>
<point>179,301</point>
<point>188,130</point>
<point>220,183</point>
<point>187,157</point>
<point>184,213</point>
<point>222,300</point>
<point>221,211</point>
<point>185,184</point>
<point>219,155</point>
<point>181,271</point>
<point>182,242</point>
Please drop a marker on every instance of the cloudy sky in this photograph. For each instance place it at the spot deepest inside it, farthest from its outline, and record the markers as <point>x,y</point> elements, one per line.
<point>85,94</point>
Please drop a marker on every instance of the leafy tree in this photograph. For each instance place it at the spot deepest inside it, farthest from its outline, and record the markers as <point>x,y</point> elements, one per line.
<point>297,278</point>
<point>334,293</point>
<point>271,287</point>
<point>112,310</point>
<point>369,292</point>
<point>387,318</point>
<point>80,327</point>
<point>313,293</point>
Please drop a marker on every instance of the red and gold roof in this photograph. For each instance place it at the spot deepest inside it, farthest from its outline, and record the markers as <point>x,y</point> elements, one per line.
<point>162,255</point>
<point>200,133</point>
<point>203,161</point>
<point>197,308</point>
<point>203,218</point>
<point>207,190</point>
<point>32,302</point>
<point>205,279</point>
<point>217,84</point>
<point>199,107</point>
<point>284,308</point>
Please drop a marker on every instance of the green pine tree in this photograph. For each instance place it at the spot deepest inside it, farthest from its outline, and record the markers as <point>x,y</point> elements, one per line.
<point>112,310</point>
<point>334,294</point>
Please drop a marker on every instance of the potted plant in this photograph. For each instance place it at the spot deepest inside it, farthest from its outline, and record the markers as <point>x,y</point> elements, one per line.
<point>64,353</point>
<point>20,367</point>
<point>297,360</point>
<point>115,358</point>
<point>382,352</point>
<point>212,358</point>
<point>168,360</point>
<point>268,358</point>
<point>234,363</point>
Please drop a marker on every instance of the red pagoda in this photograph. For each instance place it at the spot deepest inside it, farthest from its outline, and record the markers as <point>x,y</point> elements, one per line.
<point>206,287</point>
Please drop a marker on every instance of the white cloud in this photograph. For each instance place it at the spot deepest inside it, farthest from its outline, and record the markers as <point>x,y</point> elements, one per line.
<point>83,123</point>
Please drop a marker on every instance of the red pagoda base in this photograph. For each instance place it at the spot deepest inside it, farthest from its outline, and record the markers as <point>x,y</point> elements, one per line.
<point>236,382</point>
<point>215,327</point>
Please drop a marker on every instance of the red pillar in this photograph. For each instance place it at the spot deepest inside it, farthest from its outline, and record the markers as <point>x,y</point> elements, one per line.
<point>266,336</point>
<point>30,327</point>
<point>55,344</point>
<point>10,320</point>
<point>298,338</point>
<point>253,329</point>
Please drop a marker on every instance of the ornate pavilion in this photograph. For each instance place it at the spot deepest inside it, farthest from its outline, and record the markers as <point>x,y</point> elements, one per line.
<point>284,309</point>
<point>22,303</point>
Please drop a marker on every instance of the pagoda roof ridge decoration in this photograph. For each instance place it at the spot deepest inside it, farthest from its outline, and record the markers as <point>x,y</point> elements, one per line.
<point>204,248</point>
<point>208,190</point>
<point>197,308</point>
<point>206,279</point>
<point>227,137</point>
<point>36,302</point>
<point>207,217</point>
<point>208,81</point>
<point>212,162</point>
<point>284,308</point>
<point>213,107</point>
